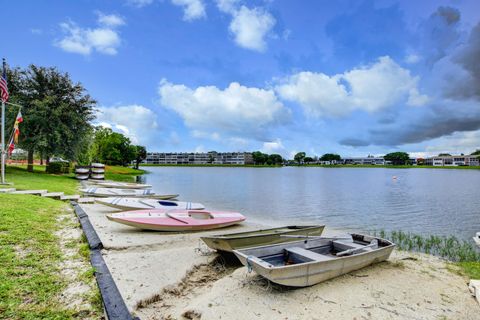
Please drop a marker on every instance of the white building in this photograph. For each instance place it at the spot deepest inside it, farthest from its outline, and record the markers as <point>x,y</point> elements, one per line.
<point>366,160</point>
<point>453,161</point>
<point>240,158</point>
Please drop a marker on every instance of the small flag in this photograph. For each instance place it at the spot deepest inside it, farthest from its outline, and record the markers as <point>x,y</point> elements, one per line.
<point>16,133</point>
<point>3,85</point>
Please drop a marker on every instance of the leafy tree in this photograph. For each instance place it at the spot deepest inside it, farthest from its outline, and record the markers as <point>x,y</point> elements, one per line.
<point>275,159</point>
<point>308,159</point>
<point>112,147</point>
<point>56,112</point>
<point>259,157</point>
<point>141,155</point>
<point>476,152</point>
<point>397,158</point>
<point>330,157</point>
<point>299,157</point>
<point>444,155</point>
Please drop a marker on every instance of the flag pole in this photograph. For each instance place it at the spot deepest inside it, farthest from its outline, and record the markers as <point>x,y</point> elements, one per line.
<point>3,133</point>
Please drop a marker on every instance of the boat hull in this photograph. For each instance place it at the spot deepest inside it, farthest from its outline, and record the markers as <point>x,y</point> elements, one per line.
<point>176,220</point>
<point>112,192</point>
<point>314,272</point>
<point>477,239</point>
<point>124,203</point>
<point>230,242</point>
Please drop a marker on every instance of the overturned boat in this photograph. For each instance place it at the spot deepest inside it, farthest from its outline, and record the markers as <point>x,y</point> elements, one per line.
<point>305,263</point>
<point>137,193</point>
<point>477,238</point>
<point>230,241</point>
<point>126,203</point>
<point>176,220</point>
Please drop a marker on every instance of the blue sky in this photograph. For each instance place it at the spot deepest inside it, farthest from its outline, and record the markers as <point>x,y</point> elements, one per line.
<point>351,77</point>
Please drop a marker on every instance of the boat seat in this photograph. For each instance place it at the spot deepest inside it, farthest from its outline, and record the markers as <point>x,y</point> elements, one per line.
<point>307,255</point>
<point>340,245</point>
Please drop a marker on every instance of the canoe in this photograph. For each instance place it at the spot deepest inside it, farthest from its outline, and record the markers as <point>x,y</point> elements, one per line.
<point>122,185</point>
<point>305,263</point>
<point>229,242</point>
<point>125,203</point>
<point>97,176</point>
<point>82,170</point>
<point>98,170</point>
<point>477,238</point>
<point>97,165</point>
<point>109,192</point>
<point>82,176</point>
<point>177,219</point>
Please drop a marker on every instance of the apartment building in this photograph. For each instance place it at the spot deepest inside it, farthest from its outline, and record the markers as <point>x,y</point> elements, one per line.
<point>365,160</point>
<point>239,158</point>
<point>453,161</point>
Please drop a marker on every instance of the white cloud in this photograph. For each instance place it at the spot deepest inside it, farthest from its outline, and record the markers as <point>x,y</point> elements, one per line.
<point>235,110</point>
<point>139,3</point>
<point>412,58</point>
<point>110,20</point>
<point>275,146</point>
<point>104,39</point>
<point>248,26</point>
<point>370,88</point>
<point>192,9</point>
<point>36,31</point>
<point>135,121</point>
<point>456,143</point>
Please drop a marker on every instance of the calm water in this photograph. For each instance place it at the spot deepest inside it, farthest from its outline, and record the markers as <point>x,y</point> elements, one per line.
<point>428,201</point>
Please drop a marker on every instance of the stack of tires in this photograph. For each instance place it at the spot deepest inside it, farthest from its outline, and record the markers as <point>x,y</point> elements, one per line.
<point>97,171</point>
<point>82,172</point>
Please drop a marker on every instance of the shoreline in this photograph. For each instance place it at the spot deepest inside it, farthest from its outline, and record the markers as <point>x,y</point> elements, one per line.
<point>165,275</point>
<point>310,165</point>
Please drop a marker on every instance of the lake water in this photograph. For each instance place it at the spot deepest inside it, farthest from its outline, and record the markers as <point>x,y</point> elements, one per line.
<point>427,201</point>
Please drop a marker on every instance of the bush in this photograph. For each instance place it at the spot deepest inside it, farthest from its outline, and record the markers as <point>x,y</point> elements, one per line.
<point>58,167</point>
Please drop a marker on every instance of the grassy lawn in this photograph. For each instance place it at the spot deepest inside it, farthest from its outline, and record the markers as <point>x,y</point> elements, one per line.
<point>22,179</point>
<point>124,174</point>
<point>30,280</point>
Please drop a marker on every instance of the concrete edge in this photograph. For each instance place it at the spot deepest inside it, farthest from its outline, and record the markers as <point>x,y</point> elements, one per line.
<point>114,305</point>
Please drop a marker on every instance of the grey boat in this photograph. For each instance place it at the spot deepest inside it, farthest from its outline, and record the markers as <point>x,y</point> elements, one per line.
<point>308,262</point>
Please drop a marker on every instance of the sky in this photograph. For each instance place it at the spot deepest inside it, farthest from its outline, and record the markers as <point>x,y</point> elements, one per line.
<point>355,78</point>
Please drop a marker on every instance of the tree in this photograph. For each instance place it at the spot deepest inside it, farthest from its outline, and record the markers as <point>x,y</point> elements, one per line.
<point>141,155</point>
<point>275,159</point>
<point>476,153</point>
<point>308,159</point>
<point>397,158</point>
<point>330,157</point>
<point>444,155</point>
<point>56,112</point>
<point>259,157</point>
<point>299,157</point>
<point>112,147</point>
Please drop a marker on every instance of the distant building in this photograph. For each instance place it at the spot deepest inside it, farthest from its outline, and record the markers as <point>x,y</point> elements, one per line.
<point>452,161</point>
<point>366,160</point>
<point>240,158</point>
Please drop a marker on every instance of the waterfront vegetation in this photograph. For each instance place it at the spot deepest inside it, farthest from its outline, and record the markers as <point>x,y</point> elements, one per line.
<point>463,254</point>
<point>333,166</point>
<point>31,283</point>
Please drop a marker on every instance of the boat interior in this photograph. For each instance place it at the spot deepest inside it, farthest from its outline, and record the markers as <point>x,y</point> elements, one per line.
<point>323,250</point>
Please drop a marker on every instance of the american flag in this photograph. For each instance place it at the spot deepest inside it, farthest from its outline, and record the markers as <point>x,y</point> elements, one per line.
<point>3,86</point>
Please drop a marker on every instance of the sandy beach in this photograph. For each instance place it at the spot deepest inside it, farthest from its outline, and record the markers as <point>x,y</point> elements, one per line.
<point>175,276</point>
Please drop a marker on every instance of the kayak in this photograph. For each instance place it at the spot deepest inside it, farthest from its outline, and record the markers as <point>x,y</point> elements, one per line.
<point>125,203</point>
<point>109,192</point>
<point>122,185</point>
<point>176,219</point>
<point>229,242</point>
<point>305,263</point>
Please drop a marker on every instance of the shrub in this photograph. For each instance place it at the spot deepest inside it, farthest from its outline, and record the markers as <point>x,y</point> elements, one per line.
<point>58,167</point>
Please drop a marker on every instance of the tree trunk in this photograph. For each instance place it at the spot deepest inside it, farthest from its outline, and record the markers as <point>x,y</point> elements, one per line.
<point>47,160</point>
<point>41,161</point>
<point>136,164</point>
<point>30,161</point>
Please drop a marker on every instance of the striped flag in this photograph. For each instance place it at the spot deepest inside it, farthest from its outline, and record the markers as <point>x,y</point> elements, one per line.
<point>16,133</point>
<point>3,86</point>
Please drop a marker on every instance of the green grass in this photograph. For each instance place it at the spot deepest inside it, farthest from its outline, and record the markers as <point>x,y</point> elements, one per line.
<point>125,174</point>
<point>30,281</point>
<point>39,179</point>
<point>463,254</point>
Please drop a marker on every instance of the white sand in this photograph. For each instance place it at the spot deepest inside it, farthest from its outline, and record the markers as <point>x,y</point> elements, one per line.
<point>163,276</point>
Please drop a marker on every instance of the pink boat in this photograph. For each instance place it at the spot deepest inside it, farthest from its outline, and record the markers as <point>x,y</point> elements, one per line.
<point>177,219</point>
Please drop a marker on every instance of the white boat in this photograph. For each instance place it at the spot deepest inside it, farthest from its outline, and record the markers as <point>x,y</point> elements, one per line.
<point>97,176</point>
<point>82,170</point>
<point>112,192</point>
<point>98,170</point>
<point>125,203</point>
<point>82,176</point>
<point>310,261</point>
<point>97,165</point>
<point>477,238</point>
<point>122,185</point>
